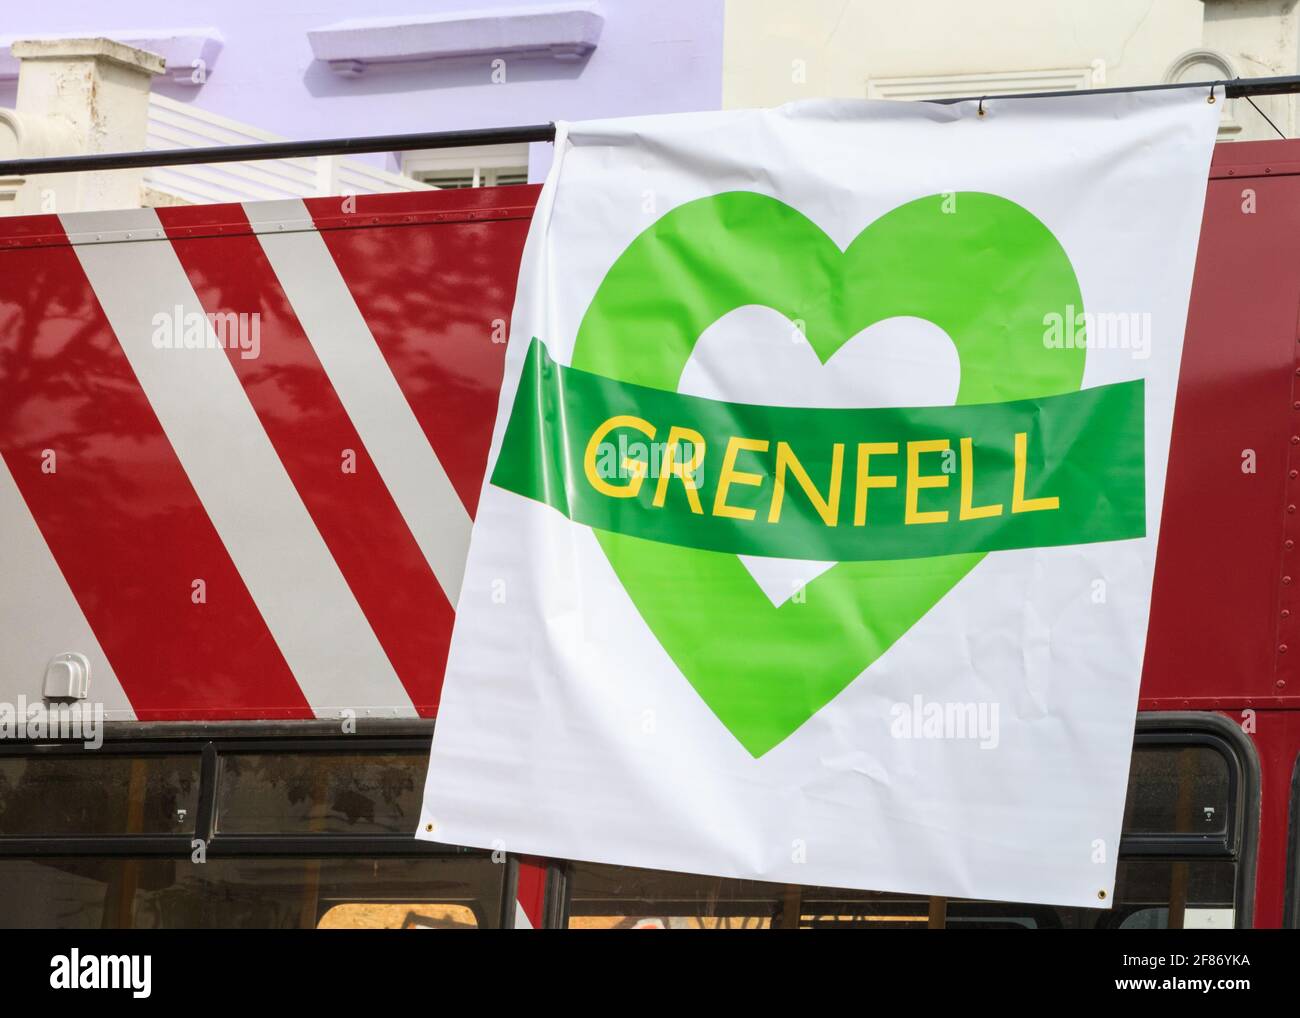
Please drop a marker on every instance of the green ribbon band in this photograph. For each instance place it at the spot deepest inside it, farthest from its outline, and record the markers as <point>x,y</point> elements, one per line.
<point>832,485</point>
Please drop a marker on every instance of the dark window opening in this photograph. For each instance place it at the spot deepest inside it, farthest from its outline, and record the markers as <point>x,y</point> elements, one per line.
<point>303,833</point>
<point>1180,866</point>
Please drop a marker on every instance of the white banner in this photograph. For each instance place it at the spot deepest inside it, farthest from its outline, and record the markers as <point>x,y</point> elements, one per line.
<point>821,514</point>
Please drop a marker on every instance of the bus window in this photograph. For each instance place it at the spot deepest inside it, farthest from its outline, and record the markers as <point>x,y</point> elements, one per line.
<point>312,832</point>
<point>1178,789</point>
<point>1149,894</point>
<point>97,794</point>
<point>624,898</point>
<point>1179,867</point>
<point>617,897</point>
<point>264,893</point>
<point>380,915</point>
<point>340,793</point>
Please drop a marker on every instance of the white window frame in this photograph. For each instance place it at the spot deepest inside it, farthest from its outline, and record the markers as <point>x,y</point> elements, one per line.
<point>482,163</point>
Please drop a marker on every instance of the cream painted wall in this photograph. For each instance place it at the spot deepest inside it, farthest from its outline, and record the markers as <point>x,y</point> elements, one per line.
<point>775,51</point>
<point>1262,38</point>
<point>842,43</point>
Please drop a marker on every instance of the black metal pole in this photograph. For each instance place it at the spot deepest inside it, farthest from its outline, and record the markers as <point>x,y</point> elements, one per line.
<point>1235,88</point>
<point>277,150</point>
<point>1284,85</point>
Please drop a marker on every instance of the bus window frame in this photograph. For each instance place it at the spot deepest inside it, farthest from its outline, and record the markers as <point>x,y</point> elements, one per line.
<point>1242,842</point>
<point>1237,843</point>
<point>208,741</point>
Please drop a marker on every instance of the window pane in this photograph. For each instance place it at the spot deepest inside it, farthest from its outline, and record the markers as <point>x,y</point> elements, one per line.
<point>612,897</point>
<point>1177,790</point>
<point>384,915</point>
<point>97,793</point>
<point>321,793</point>
<point>270,893</point>
<point>1149,894</point>
<point>1173,895</point>
<point>621,897</point>
<point>447,181</point>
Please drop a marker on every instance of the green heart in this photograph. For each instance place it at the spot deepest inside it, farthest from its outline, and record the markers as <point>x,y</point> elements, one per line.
<point>980,267</point>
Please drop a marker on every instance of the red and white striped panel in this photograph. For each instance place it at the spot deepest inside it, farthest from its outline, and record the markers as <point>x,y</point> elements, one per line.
<point>322,491</point>
<point>530,896</point>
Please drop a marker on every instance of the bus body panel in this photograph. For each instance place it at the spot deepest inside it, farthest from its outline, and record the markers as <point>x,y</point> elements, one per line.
<point>101,554</point>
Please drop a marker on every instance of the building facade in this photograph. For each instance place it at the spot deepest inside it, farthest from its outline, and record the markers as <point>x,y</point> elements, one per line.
<point>776,52</point>
<point>245,71</point>
<point>225,72</point>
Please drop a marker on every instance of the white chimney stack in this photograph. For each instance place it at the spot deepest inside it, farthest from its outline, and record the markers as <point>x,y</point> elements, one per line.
<point>78,96</point>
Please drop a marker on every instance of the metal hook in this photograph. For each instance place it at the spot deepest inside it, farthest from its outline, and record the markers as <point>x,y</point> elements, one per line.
<point>981,107</point>
<point>1211,99</point>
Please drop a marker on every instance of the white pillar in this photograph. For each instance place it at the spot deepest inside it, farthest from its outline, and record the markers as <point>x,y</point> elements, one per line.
<point>78,96</point>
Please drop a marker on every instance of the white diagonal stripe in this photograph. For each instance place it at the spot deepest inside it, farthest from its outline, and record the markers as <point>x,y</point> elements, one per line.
<point>221,444</point>
<point>39,615</point>
<point>365,384</point>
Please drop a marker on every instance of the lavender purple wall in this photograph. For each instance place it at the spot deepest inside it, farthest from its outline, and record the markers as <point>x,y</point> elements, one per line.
<point>653,56</point>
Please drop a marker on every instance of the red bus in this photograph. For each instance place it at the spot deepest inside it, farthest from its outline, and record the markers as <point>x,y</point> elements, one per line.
<point>185,553</point>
